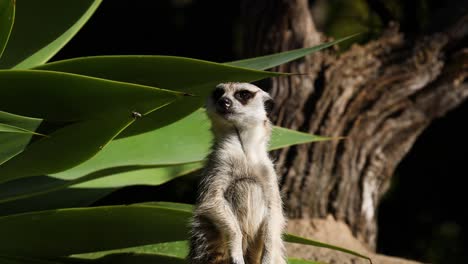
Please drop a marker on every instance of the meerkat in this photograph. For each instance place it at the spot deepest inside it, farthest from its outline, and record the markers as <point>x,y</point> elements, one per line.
<point>238,217</point>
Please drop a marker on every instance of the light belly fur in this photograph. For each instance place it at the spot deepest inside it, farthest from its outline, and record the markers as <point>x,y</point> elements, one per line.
<point>250,208</point>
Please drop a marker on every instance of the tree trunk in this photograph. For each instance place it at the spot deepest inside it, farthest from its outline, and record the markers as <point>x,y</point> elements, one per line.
<point>380,96</point>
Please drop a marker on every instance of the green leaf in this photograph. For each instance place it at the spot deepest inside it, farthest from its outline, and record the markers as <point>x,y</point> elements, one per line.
<point>143,159</point>
<point>4,128</point>
<point>64,148</point>
<point>174,146</point>
<point>63,198</point>
<point>176,206</point>
<point>14,143</point>
<point>95,185</point>
<point>62,96</point>
<point>177,249</point>
<point>300,240</point>
<point>131,258</point>
<point>169,145</point>
<point>170,72</point>
<point>22,122</point>
<point>302,261</point>
<point>37,194</point>
<point>175,73</point>
<point>150,176</point>
<point>111,257</point>
<point>7,18</point>
<point>283,137</point>
<point>81,230</point>
<point>42,28</point>
<point>109,109</point>
<point>163,71</point>
<point>115,258</point>
<point>273,60</point>
<point>114,229</point>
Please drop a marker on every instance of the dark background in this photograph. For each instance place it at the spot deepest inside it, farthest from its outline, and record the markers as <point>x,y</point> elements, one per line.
<point>422,217</point>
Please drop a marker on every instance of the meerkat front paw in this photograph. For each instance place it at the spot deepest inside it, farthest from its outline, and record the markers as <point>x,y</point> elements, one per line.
<point>237,260</point>
<point>237,257</point>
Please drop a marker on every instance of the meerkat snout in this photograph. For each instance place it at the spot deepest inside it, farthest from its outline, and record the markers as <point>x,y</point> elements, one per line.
<point>224,105</point>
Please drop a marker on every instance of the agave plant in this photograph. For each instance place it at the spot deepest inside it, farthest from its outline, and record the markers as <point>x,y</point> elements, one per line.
<point>73,131</point>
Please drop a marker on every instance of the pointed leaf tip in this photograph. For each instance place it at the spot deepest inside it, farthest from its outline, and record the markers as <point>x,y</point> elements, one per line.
<point>273,60</point>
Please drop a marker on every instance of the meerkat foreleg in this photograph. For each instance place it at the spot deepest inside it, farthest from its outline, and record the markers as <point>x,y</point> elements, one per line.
<point>273,252</point>
<point>221,215</point>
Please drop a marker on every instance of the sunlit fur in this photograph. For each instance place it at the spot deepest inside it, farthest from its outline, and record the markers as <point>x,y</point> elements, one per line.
<point>238,216</point>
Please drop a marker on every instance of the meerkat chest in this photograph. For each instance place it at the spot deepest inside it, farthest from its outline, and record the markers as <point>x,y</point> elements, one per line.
<point>258,169</point>
<point>249,194</point>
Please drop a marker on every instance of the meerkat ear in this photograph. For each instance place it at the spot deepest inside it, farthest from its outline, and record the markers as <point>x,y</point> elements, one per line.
<point>269,105</point>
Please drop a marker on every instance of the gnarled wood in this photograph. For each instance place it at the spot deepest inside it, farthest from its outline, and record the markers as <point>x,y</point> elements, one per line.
<point>380,96</point>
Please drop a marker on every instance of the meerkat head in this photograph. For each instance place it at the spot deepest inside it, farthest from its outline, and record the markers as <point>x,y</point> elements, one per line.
<point>240,106</point>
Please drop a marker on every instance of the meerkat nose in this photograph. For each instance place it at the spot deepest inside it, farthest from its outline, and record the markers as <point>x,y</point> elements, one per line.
<point>225,103</point>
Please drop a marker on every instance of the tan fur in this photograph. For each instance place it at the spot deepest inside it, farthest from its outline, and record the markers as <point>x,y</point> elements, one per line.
<point>238,216</point>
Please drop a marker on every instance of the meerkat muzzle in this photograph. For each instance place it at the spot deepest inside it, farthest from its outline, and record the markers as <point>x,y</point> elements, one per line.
<point>224,105</point>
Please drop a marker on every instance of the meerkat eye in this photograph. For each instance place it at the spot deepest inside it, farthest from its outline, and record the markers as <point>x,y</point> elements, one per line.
<point>243,96</point>
<point>217,93</point>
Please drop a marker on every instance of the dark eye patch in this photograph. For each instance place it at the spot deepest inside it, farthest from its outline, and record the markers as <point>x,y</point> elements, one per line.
<point>244,96</point>
<point>269,105</point>
<point>217,93</point>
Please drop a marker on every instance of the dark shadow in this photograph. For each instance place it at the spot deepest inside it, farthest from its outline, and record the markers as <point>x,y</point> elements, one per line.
<point>423,216</point>
<point>66,198</point>
<point>180,190</point>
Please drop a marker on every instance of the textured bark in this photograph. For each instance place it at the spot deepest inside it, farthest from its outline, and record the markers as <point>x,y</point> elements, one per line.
<point>380,96</point>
